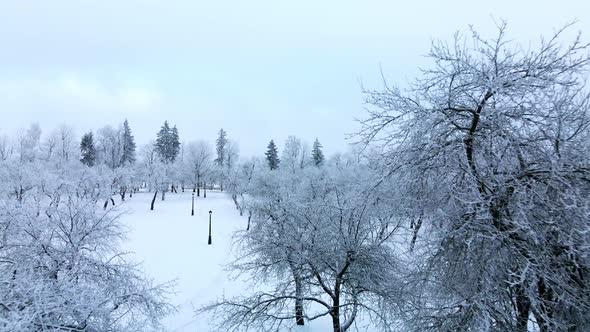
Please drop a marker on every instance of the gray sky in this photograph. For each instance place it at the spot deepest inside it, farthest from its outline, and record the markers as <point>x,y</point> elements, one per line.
<point>259,69</point>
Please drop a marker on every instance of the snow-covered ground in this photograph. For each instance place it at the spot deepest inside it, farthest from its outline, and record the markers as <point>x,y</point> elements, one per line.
<point>172,245</point>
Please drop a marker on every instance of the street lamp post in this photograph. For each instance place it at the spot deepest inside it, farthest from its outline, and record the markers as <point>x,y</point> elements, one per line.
<point>210,212</point>
<point>193,206</point>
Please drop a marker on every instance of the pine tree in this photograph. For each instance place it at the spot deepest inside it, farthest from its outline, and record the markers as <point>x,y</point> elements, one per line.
<point>220,147</point>
<point>128,156</point>
<point>272,156</point>
<point>163,142</point>
<point>174,144</point>
<point>88,150</point>
<point>316,153</point>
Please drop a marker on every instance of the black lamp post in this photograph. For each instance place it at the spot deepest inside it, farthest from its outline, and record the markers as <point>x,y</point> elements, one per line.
<point>193,206</point>
<point>210,212</point>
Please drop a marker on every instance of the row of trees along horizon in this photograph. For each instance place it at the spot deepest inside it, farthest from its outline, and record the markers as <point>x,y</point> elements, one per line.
<point>465,208</point>
<point>116,148</point>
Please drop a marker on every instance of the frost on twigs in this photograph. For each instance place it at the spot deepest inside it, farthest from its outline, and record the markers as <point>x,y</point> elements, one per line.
<point>60,265</point>
<point>489,148</point>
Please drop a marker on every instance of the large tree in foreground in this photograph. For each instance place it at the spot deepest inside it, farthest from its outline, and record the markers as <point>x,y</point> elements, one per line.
<point>321,244</point>
<point>490,148</point>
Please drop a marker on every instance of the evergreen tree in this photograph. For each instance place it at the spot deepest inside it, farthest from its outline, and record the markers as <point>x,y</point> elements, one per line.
<point>220,143</point>
<point>272,156</point>
<point>316,153</point>
<point>88,150</point>
<point>163,142</point>
<point>174,144</point>
<point>128,145</point>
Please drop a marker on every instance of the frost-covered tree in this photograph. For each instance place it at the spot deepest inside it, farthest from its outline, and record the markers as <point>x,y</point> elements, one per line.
<point>231,160</point>
<point>240,181</point>
<point>49,145</point>
<point>88,150</point>
<point>163,143</point>
<point>29,143</point>
<point>199,164</point>
<point>489,149</point>
<point>220,144</point>
<point>303,158</point>
<point>272,156</point>
<point>322,243</point>
<point>6,148</point>
<point>65,145</point>
<point>147,158</point>
<point>168,143</point>
<point>175,143</point>
<point>291,155</point>
<point>109,146</point>
<point>61,268</point>
<point>220,161</point>
<point>316,153</point>
<point>61,145</point>
<point>155,172</point>
<point>128,142</point>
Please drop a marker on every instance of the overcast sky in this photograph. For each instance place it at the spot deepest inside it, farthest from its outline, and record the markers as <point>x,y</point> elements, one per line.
<point>259,69</point>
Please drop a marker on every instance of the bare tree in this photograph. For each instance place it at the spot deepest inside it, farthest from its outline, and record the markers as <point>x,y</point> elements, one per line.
<point>199,161</point>
<point>489,148</point>
<point>316,240</point>
<point>60,265</point>
<point>6,148</point>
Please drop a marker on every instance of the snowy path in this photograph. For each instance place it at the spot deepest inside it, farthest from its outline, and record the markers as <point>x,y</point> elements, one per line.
<point>172,245</point>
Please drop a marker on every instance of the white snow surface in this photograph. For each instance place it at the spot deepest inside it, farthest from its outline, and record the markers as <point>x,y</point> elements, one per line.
<point>172,245</point>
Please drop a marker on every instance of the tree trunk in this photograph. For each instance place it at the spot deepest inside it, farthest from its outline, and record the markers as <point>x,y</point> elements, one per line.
<point>154,200</point>
<point>546,296</point>
<point>336,316</point>
<point>335,312</point>
<point>234,197</point>
<point>298,300</point>
<point>523,306</point>
<point>164,194</point>
<point>205,190</point>
<point>249,217</point>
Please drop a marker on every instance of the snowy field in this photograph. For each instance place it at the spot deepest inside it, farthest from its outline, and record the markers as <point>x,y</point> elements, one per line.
<point>173,246</point>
